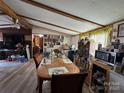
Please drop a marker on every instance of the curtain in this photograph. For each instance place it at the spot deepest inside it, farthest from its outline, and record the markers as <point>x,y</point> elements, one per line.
<point>100,36</point>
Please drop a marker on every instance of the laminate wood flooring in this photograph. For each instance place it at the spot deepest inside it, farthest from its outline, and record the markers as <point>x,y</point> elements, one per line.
<point>21,78</point>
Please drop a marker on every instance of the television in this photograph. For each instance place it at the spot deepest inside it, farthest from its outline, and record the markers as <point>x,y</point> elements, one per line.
<point>10,40</point>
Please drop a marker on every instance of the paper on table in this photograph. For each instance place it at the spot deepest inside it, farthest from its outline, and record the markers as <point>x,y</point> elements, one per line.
<point>57,70</point>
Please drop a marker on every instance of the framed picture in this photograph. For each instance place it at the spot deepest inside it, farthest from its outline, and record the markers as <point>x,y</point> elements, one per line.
<point>121,30</point>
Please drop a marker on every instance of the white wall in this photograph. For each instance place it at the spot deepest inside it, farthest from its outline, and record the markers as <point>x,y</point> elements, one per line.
<point>1,36</point>
<point>74,40</point>
<point>115,31</point>
<point>39,30</point>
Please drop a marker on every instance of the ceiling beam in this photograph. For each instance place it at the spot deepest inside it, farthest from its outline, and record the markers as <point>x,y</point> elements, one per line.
<point>1,13</point>
<point>48,23</point>
<point>6,24</point>
<point>7,9</point>
<point>63,13</point>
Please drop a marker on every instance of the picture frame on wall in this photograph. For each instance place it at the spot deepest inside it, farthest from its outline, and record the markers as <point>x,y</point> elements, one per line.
<point>120,30</point>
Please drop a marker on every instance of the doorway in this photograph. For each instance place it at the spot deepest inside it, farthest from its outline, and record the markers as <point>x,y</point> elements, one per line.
<point>37,41</point>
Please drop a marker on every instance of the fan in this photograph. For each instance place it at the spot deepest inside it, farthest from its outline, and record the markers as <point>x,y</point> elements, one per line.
<point>16,22</point>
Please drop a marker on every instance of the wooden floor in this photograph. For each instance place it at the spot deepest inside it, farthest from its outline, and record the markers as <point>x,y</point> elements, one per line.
<point>18,79</point>
<point>21,78</point>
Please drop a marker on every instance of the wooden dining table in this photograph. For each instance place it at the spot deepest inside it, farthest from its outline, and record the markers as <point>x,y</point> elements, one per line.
<point>43,72</point>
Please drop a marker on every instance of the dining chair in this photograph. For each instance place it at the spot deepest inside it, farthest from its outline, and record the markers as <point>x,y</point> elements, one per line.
<point>37,59</point>
<point>36,63</point>
<point>37,56</point>
<point>68,83</point>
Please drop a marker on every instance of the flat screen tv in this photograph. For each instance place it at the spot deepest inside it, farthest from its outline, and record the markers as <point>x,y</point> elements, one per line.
<point>10,40</point>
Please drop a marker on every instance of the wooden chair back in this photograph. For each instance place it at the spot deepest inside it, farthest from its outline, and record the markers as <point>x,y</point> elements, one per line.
<point>69,83</point>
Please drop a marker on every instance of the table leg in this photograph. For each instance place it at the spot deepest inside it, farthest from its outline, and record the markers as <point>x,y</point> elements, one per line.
<point>40,83</point>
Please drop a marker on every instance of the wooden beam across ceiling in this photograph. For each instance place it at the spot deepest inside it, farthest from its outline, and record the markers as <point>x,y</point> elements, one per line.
<point>63,13</point>
<point>7,9</point>
<point>49,23</point>
<point>1,13</point>
<point>6,24</point>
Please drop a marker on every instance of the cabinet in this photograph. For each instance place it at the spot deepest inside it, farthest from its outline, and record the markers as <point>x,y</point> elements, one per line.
<point>99,77</point>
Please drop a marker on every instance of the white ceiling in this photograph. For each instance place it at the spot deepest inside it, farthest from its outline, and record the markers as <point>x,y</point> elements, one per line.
<point>35,23</point>
<point>100,11</point>
<point>6,21</point>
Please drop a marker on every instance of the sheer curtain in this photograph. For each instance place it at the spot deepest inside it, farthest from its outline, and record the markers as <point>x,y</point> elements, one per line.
<point>100,36</point>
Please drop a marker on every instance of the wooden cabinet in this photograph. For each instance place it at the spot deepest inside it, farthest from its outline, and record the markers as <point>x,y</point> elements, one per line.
<point>98,77</point>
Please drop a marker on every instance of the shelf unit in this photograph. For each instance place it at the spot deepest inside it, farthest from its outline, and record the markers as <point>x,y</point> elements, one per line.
<point>99,69</point>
